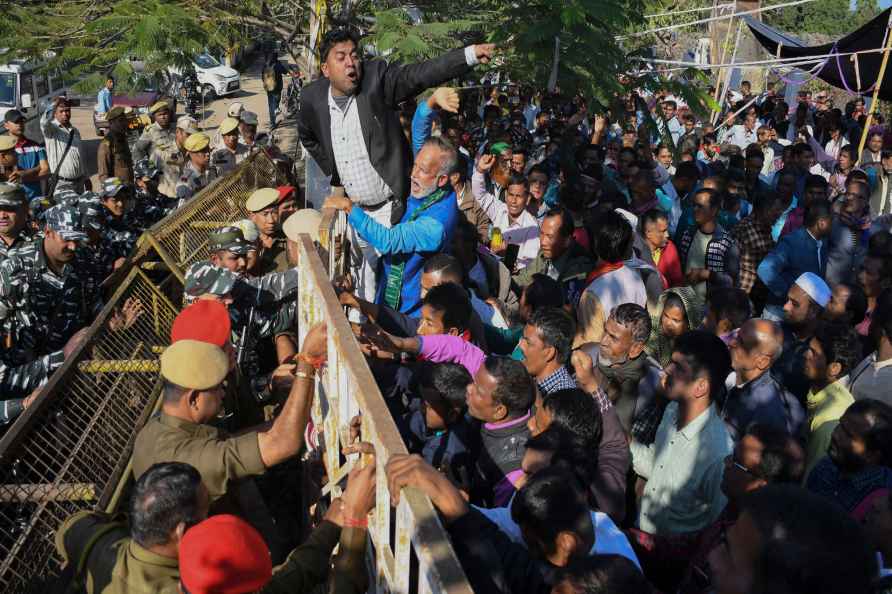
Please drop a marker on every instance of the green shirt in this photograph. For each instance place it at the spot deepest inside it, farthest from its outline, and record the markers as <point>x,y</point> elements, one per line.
<point>824,410</point>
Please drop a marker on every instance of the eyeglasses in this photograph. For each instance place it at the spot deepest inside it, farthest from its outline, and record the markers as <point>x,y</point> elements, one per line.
<point>731,462</point>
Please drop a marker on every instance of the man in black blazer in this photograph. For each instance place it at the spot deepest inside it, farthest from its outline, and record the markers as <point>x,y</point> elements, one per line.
<point>349,122</point>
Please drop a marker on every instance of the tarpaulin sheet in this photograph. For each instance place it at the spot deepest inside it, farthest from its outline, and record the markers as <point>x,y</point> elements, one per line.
<point>838,70</point>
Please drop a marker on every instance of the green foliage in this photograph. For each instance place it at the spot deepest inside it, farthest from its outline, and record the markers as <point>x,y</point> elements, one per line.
<point>395,35</point>
<point>833,18</point>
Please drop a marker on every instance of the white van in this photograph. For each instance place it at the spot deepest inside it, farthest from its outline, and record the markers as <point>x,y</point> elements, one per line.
<point>22,87</point>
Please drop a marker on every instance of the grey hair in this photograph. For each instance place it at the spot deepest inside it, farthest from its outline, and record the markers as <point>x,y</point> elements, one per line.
<point>450,155</point>
<point>635,318</point>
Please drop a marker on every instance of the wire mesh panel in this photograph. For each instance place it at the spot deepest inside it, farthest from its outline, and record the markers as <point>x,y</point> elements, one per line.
<point>344,389</point>
<point>181,238</point>
<point>69,450</point>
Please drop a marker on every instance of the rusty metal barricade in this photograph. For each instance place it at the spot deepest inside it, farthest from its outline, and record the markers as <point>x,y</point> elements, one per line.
<point>347,388</point>
<point>180,239</point>
<point>71,449</point>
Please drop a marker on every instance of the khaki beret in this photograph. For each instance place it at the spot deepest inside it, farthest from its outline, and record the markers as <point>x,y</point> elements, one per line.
<point>302,221</point>
<point>158,106</point>
<point>194,364</point>
<point>114,113</point>
<point>262,198</point>
<point>197,142</point>
<point>7,142</point>
<point>228,125</point>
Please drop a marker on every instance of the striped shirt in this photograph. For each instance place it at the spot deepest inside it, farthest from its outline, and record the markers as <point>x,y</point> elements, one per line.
<point>56,138</point>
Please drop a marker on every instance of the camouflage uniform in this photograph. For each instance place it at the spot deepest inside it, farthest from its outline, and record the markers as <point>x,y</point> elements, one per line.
<point>149,205</point>
<point>262,307</point>
<point>12,197</point>
<point>117,230</point>
<point>225,160</point>
<point>41,309</point>
<point>191,182</point>
<point>95,260</point>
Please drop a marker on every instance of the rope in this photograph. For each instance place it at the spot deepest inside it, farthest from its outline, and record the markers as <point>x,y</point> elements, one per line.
<point>719,7</point>
<point>771,61</point>
<point>712,19</point>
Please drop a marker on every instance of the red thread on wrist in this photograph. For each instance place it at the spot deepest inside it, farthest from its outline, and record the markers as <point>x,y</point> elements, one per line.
<point>316,362</point>
<point>356,522</point>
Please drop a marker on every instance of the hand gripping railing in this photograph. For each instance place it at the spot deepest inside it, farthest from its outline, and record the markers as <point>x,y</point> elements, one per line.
<point>419,556</point>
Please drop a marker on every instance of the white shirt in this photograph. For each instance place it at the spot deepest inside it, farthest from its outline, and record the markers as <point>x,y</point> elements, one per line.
<point>360,179</point>
<point>741,137</point>
<point>609,540</point>
<point>524,231</point>
<point>56,138</point>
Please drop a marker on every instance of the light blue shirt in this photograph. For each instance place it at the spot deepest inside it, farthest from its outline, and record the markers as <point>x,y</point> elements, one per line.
<point>609,540</point>
<point>778,225</point>
<point>103,100</point>
<point>684,469</point>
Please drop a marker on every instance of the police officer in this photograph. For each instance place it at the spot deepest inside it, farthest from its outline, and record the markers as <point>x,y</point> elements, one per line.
<point>263,209</point>
<point>197,172</point>
<point>171,162</point>
<point>142,557</point>
<point>230,152</point>
<point>193,374</point>
<point>248,130</point>
<point>14,232</point>
<point>113,159</point>
<point>150,205</point>
<point>159,136</point>
<point>41,295</point>
<point>96,257</point>
<point>115,198</point>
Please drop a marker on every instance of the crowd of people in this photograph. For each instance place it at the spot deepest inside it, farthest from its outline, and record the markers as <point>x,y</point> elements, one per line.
<point>627,352</point>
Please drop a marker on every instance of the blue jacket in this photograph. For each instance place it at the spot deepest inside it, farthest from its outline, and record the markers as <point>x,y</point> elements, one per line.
<point>422,122</point>
<point>430,233</point>
<point>763,400</point>
<point>794,254</point>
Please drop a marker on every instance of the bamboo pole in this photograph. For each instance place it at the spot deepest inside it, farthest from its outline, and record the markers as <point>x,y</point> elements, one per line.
<point>876,91</point>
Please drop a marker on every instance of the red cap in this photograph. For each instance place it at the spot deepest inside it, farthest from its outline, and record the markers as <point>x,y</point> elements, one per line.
<point>285,192</point>
<point>224,555</point>
<point>205,321</point>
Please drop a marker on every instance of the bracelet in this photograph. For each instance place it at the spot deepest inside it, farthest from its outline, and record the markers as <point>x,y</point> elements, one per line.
<point>356,522</point>
<point>316,362</point>
<point>306,376</point>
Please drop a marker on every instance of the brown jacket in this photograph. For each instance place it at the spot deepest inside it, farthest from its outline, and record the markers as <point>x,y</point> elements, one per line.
<point>114,160</point>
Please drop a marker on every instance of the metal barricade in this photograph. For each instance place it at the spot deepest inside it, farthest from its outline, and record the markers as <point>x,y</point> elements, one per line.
<point>70,450</point>
<point>419,557</point>
<point>181,238</point>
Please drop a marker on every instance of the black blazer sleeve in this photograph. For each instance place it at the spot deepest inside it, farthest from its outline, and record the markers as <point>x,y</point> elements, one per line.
<point>401,82</point>
<point>309,123</point>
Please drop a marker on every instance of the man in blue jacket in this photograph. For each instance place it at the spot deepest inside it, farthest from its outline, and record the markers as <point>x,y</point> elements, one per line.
<point>804,250</point>
<point>424,229</point>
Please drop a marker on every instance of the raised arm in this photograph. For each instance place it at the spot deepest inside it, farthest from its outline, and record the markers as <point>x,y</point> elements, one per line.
<point>401,82</point>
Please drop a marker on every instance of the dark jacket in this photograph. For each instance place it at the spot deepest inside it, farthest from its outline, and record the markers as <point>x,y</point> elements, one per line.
<point>383,87</point>
<point>501,451</point>
<point>763,400</point>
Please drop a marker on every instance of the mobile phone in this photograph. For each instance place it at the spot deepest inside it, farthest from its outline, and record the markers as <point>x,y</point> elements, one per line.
<point>511,252</point>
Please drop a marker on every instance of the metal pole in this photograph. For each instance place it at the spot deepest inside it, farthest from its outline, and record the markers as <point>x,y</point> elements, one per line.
<point>876,91</point>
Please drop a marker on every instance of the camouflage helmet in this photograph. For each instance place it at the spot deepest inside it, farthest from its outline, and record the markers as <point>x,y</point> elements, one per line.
<point>66,197</point>
<point>204,277</point>
<point>229,238</point>
<point>39,206</point>
<point>111,187</point>
<point>67,222</point>
<point>91,211</point>
<point>11,195</point>
<point>144,169</point>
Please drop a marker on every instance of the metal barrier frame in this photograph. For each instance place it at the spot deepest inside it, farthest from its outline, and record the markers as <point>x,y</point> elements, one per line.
<point>346,388</point>
<point>92,462</point>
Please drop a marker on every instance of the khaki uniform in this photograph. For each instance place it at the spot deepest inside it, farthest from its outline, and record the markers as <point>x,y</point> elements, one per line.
<point>114,160</point>
<point>159,145</point>
<point>218,459</point>
<point>274,258</point>
<point>225,160</point>
<point>117,565</point>
<point>191,182</point>
<point>114,564</point>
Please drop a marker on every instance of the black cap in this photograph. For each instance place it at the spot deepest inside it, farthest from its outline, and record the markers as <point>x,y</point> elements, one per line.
<point>13,115</point>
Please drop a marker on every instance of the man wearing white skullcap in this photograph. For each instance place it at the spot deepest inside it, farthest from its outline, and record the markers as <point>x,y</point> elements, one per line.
<point>806,301</point>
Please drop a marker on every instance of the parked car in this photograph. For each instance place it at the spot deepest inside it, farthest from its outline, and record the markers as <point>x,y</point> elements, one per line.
<point>216,80</point>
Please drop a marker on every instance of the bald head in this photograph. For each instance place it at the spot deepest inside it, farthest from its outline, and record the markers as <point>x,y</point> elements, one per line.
<point>758,344</point>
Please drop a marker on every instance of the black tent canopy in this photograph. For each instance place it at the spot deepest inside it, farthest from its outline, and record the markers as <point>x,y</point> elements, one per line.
<point>839,69</point>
